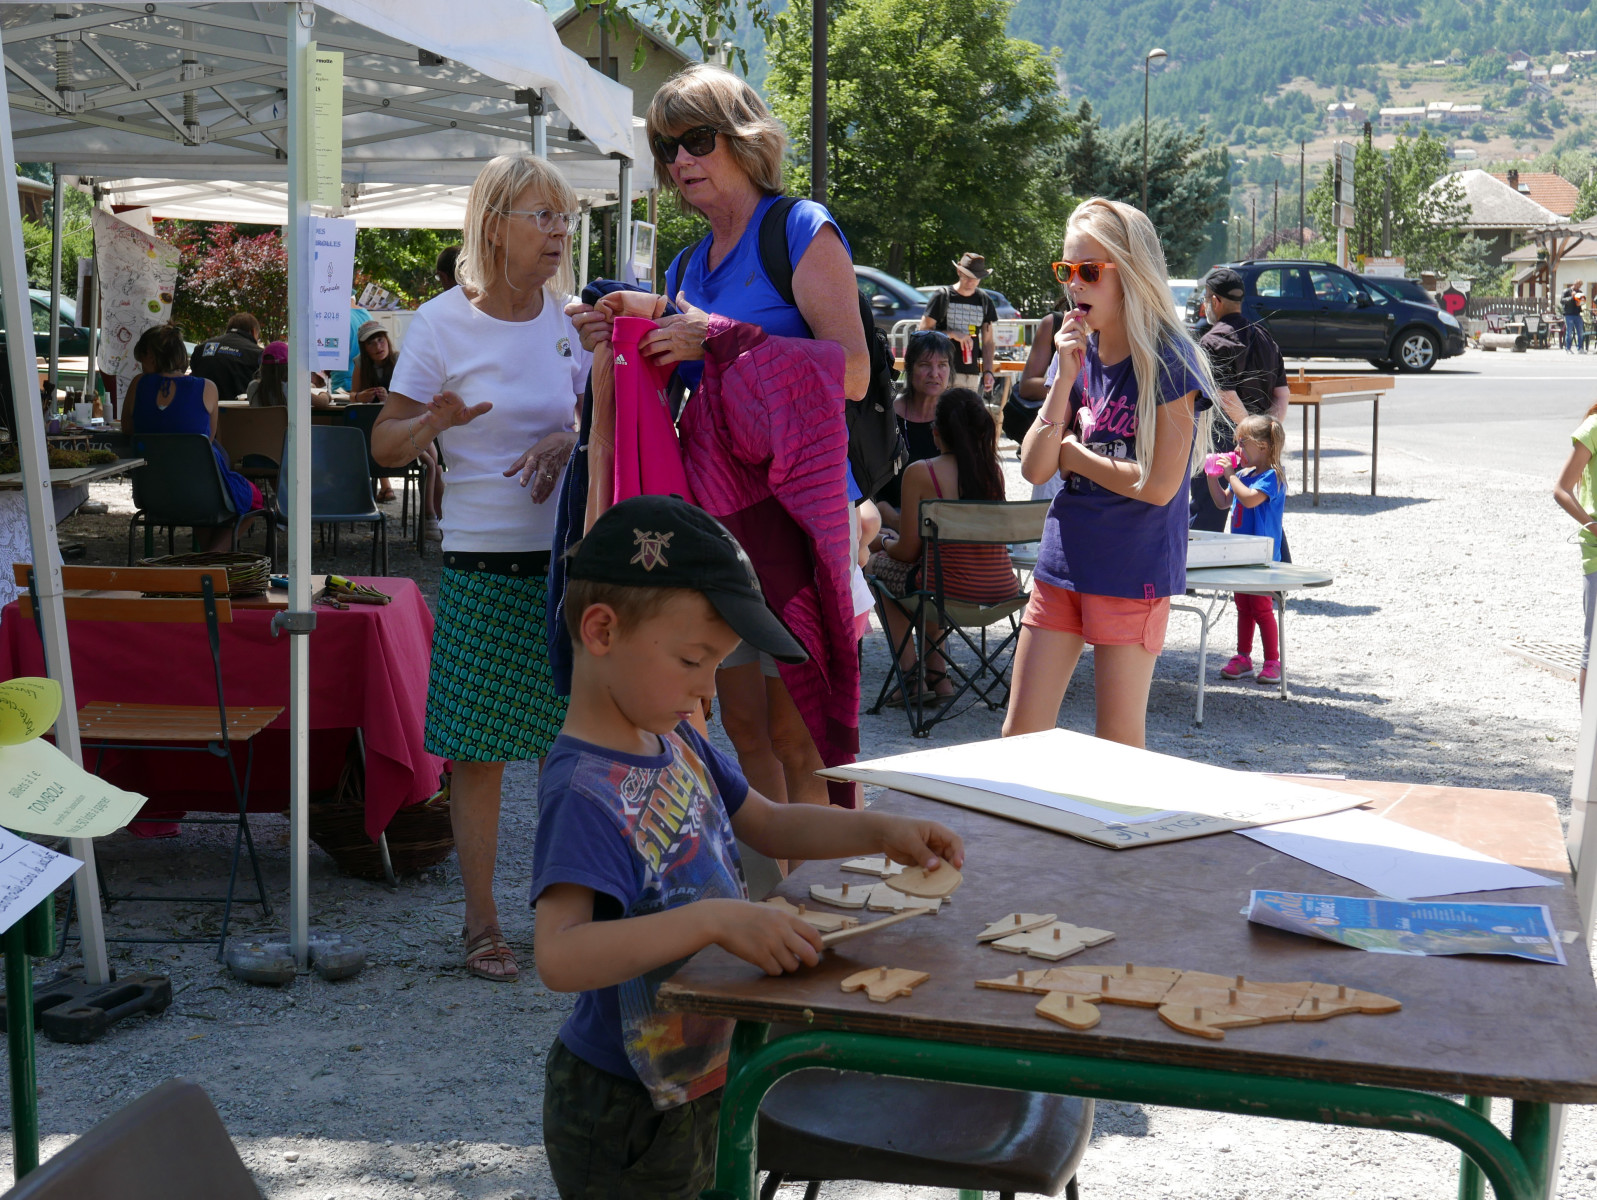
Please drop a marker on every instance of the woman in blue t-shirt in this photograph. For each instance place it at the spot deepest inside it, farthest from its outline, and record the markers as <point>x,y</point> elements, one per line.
<point>1121,427</point>
<point>720,149</point>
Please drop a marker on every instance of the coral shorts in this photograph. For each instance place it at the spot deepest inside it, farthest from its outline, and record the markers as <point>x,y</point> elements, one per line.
<point>1098,620</point>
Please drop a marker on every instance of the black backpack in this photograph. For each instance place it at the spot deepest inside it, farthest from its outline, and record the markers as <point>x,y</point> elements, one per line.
<point>876,453</point>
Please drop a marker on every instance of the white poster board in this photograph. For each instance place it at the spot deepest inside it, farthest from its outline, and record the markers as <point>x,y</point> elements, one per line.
<point>137,276</point>
<point>332,244</point>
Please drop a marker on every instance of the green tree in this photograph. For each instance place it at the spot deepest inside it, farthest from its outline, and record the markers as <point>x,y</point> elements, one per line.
<point>77,239</point>
<point>1188,179</point>
<point>941,129</point>
<point>401,260</point>
<point>1586,205</point>
<point>1428,206</point>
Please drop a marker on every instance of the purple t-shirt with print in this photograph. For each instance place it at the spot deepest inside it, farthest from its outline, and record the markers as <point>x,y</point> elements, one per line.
<point>1105,544</point>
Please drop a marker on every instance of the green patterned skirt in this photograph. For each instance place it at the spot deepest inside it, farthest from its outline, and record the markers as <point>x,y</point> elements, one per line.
<point>490,696</point>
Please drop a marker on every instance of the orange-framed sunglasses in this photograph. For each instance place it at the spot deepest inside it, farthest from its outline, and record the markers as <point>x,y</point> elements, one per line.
<point>1090,272</point>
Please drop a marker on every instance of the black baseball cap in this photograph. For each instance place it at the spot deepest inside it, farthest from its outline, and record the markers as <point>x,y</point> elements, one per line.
<point>665,542</point>
<point>1225,283</point>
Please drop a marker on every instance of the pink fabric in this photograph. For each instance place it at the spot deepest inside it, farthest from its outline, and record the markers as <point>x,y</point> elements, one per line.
<point>368,671</point>
<point>648,460</point>
<point>765,443</point>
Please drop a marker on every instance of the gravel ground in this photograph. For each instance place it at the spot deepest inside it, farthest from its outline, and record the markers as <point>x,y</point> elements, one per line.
<point>414,1080</point>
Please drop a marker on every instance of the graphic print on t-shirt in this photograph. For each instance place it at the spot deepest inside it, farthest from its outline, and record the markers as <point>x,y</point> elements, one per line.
<point>1106,418</point>
<point>683,838</point>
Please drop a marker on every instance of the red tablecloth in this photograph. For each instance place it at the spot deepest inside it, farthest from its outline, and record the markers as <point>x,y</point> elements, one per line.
<point>368,671</point>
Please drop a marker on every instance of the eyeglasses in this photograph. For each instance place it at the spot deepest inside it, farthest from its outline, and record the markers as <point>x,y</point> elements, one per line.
<point>1090,272</point>
<point>700,141</point>
<point>546,218</point>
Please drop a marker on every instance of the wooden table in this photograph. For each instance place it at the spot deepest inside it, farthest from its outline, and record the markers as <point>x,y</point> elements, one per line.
<point>1481,1026</point>
<point>1274,580</point>
<point>1316,391</point>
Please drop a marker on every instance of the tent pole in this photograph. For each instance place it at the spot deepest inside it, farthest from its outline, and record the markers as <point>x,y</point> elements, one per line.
<point>301,16</point>
<point>540,126</point>
<point>41,536</point>
<point>587,233</point>
<point>55,280</point>
<point>92,319</point>
<point>624,231</point>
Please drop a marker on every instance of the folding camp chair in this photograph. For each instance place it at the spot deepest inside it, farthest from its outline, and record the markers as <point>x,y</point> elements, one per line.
<point>946,523</point>
<point>184,595</point>
<point>169,1144</point>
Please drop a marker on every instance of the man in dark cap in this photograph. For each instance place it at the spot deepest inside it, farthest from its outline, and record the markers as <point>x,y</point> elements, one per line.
<point>1249,375</point>
<point>966,314</point>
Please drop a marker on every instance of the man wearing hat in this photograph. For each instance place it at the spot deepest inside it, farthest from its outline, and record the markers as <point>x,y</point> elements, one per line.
<point>966,314</point>
<point>1248,372</point>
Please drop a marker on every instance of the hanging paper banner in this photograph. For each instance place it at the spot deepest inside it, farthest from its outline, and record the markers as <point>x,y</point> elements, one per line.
<point>325,185</point>
<point>137,276</point>
<point>332,279</point>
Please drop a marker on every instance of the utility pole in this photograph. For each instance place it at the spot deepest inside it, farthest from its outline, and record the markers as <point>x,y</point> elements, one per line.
<point>1253,224</point>
<point>1275,214</point>
<point>1147,59</point>
<point>1386,216</point>
<point>818,103</point>
<point>1301,146</point>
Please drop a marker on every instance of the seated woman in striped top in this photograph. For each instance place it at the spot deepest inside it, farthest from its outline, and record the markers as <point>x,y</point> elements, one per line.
<point>966,468</point>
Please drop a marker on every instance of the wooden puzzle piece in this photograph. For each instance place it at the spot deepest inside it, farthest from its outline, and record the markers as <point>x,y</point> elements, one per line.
<point>918,881</point>
<point>1195,1002</point>
<point>1015,923</point>
<point>1050,979</point>
<point>1326,1000</point>
<point>883,983</point>
<point>844,895</point>
<point>884,899</point>
<point>871,926</point>
<point>825,922</point>
<point>880,866</point>
<point>1070,1010</point>
<point>1054,941</point>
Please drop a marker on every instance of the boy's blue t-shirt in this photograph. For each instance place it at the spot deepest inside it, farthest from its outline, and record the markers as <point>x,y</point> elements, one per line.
<point>646,833</point>
<point>1263,519</point>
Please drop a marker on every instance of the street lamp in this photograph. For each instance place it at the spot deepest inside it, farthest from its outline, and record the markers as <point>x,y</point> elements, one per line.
<point>1147,61</point>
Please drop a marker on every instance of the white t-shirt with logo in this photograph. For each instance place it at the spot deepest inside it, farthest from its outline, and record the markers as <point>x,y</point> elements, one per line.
<point>533,372</point>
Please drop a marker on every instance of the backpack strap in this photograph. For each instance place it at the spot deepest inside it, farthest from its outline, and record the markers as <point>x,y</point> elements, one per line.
<point>775,254</point>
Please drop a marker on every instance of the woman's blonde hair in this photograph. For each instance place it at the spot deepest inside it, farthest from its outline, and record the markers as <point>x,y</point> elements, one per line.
<point>1131,242</point>
<point>702,94</point>
<point>492,197</point>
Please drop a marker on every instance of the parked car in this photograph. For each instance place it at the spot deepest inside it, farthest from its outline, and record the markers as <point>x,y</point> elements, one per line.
<point>1182,290</point>
<point>1006,310</point>
<point>74,341</point>
<point>1318,310</point>
<point>891,299</point>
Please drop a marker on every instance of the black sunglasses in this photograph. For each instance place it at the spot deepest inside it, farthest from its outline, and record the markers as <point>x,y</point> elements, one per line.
<point>700,140</point>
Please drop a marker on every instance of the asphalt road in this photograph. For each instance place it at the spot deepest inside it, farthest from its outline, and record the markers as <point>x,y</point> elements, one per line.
<point>1510,412</point>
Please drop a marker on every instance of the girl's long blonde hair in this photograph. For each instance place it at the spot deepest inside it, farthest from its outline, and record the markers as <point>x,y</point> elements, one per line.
<point>492,196</point>
<point>1129,238</point>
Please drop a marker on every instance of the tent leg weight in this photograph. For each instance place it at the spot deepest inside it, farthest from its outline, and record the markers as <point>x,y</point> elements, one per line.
<point>68,1009</point>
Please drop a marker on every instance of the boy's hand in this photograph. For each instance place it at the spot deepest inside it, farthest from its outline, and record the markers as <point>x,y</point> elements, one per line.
<point>762,935</point>
<point>920,843</point>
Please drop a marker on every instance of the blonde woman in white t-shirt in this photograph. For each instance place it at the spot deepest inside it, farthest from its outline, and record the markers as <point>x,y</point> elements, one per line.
<point>492,371</point>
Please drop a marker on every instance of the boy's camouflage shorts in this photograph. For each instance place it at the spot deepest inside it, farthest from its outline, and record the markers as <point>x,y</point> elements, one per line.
<point>605,1138</point>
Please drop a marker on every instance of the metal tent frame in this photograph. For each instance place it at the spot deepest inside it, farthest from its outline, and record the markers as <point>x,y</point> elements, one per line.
<point>206,90</point>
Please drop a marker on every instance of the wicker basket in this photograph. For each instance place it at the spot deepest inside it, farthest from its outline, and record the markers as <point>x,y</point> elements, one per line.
<point>247,574</point>
<point>419,836</point>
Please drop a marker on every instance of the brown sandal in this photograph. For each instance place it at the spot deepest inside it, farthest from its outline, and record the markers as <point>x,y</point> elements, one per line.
<point>490,946</point>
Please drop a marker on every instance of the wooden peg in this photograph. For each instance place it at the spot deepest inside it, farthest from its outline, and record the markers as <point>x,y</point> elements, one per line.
<point>1103,985</point>
<point>1314,1004</point>
<point>1070,1000</point>
<point>1240,983</point>
<point>883,975</point>
<point>1017,920</point>
<point>1197,1014</point>
<point>1341,991</point>
<point>845,889</point>
<point>1020,976</point>
<point>1056,933</point>
<point>1233,996</point>
<point>1130,970</point>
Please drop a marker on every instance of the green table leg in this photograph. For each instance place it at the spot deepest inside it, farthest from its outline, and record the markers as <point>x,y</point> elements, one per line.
<point>1513,1168</point>
<point>33,935</point>
<point>1471,1183</point>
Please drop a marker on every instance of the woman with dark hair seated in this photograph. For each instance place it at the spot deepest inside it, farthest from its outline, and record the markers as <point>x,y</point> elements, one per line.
<point>928,366</point>
<point>966,468</point>
<point>166,399</point>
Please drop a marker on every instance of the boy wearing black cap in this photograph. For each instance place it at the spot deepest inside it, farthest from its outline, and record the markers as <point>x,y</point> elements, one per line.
<point>636,864</point>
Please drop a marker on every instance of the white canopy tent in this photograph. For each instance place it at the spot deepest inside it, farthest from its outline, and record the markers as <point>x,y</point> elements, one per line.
<point>198,90</point>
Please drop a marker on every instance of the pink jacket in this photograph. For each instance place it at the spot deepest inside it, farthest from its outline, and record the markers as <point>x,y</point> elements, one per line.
<point>764,443</point>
